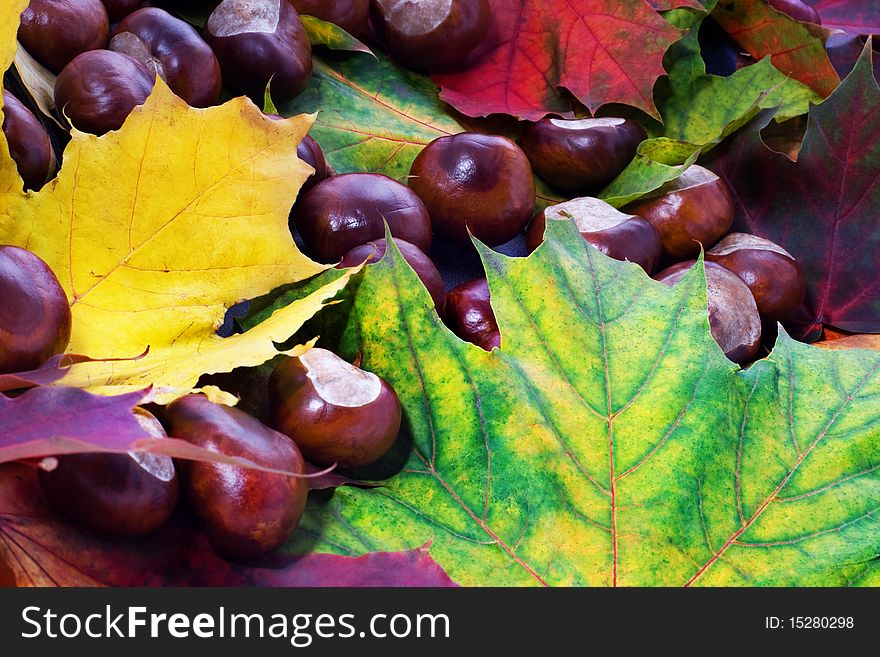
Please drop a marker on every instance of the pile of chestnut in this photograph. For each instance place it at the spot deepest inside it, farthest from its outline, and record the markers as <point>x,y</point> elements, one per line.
<point>324,410</point>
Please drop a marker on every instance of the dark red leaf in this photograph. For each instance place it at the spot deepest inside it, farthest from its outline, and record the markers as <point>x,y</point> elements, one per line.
<point>797,49</point>
<point>824,208</point>
<point>602,52</point>
<point>854,16</point>
<point>51,371</point>
<point>43,551</point>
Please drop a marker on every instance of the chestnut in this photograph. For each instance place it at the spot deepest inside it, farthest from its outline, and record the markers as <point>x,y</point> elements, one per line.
<point>56,31</point>
<point>733,313</point>
<point>479,182</point>
<point>248,512</point>
<point>99,89</point>
<point>470,316</point>
<point>127,494</point>
<point>350,15</point>
<point>119,9</point>
<point>617,235</point>
<point>797,9</point>
<point>346,211</point>
<point>310,152</point>
<point>415,258</point>
<point>436,35</point>
<point>581,155</point>
<point>34,313</point>
<point>257,41</point>
<point>696,209</point>
<point>772,274</point>
<point>173,50</point>
<point>29,143</point>
<point>336,412</point>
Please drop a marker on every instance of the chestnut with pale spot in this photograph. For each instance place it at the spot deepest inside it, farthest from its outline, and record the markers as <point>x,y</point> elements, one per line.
<point>470,316</point>
<point>337,413</point>
<point>35,316</point>
<point>581,155</point>
<point>430,34</point>
<point>422,265</point>
<point>733,313</point>
<point>616,234</point>
<point>256,41</point>
<point>695,209</point>
<point>481,183</point>
<point>56,31</point>
<point>126,494</point>
<point>345,211</point>
<point>772,274</point>
<point>173,50</point>
<point>248,512</point>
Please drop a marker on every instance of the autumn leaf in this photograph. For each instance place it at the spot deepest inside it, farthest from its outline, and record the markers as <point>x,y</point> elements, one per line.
<point>43,551</point>
<point>853,16</point>
<point>852,342</point>
<point>608,441</point>
<point>823,208</point>
<point>796,49</point>
<point>322,33</point>
<point>600,52</point>
<point>373,116</point>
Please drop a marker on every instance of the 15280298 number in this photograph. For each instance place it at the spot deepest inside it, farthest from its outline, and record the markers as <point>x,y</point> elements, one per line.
<point>821,622</point>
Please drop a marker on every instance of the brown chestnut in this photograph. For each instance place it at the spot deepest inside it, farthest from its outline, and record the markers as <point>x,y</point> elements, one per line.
<point>350,15</point>
<point>479,182</point>
<point>336,412</point>
<point>99,89</point>
<point>581,154</point>
<point>119,9</point>
<point>797,9</point>
<point>310,152</point>
<point>248,512</point>
<point>173,50</point>
<point>776,280</point>
<point>470,316</point>
<point>435,34</point>
<point>29,143</point>
<point>34,312</point>
<point>346,211</point>
<point>56,31</point>
<point>733,313</point>
<point>617,235</point>
<point>696,209</point>
<point>128,494</point>
<point>415,258</point>
<point>257,41</point>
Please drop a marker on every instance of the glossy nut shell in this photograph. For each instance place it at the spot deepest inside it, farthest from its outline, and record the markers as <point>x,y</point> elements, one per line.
<point>56,31</point>
<point>28,142</point>
<point>470,316</point>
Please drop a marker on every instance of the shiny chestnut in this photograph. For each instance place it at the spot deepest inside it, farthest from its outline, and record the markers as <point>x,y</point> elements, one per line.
<point>310,152</point>
<point>435,34</point>
<point>127,494</point>
<point>772,274</point>
<point>336,412</point>
<point>696,209</point>
<point>733,313</point>
<point>797,9</point>
<point>29,143</point>
<point>350,15</point>
<point>34,313</point>
<point>581,155</point>
<point>119,9</point>
<point>173,50</point>
<point>99,89</point>
<point>415,258</point>
<point>248,512</point>
<point>470,316</point>
<point>346,211</point>
<point>616,234</point>
<point>257,41</point>
<point>479,182</point>
<point>56,31</point>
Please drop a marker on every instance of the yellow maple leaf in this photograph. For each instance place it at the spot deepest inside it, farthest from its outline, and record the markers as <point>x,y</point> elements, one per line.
<point>154,230</point>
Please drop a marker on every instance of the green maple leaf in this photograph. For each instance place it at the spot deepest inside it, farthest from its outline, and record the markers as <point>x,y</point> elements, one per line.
<point>608,442</point>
